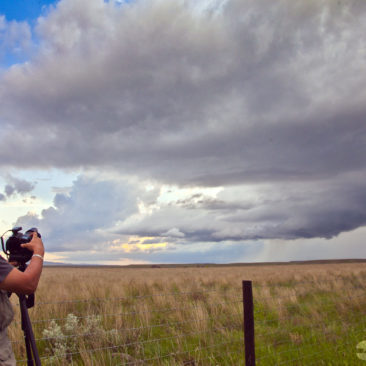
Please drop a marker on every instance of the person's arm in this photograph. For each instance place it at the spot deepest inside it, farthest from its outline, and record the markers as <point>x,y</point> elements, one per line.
<point>26,282</point>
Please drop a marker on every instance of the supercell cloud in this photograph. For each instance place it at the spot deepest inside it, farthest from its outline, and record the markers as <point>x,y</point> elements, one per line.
<point>264,99</point>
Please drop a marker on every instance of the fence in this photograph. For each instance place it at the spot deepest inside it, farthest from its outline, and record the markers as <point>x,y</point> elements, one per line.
<point>296,323</point>
<point>178,328</point>
<point>315,322</point>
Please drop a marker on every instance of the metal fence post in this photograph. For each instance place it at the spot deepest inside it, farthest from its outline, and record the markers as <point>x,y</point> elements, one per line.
<point>248,323</point>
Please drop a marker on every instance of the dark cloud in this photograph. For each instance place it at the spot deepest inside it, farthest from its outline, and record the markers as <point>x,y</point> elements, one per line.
<point>152,241</point>
<point>22,186</point>
<point>277,211</point>
<point>9,190</point>
<point>262,91</point>
<point>200,201</point>
<point>346,245</point>
<point>260,95</point>
<point>16,185</point>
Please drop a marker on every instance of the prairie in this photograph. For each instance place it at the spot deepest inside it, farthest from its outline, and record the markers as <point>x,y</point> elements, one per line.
<point>304,314</point>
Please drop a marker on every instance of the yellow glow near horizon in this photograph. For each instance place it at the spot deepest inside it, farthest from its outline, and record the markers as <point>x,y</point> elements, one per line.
<point>136,243</point>
<point>51,257</point>
<point>123,262</point>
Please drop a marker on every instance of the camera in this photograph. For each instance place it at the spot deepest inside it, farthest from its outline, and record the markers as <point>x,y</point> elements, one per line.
<point>15,253</point>
<point>13,248</point>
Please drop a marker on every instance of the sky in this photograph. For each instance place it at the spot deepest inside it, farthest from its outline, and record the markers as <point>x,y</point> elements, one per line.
<point>171,131</point>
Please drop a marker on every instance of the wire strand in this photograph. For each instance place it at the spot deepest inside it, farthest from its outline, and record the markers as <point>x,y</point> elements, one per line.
<point>166,310</point>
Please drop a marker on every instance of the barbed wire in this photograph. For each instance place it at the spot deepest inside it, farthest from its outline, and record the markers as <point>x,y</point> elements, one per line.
<point>129,298</point>
<point>299,301</point>
<point>137,361</point>
<point>334,349</point>
<point>318,353</point>
<point>319,280</point>
<point>166,310</point>
<point>301,311</point>
<point>278,330</point>
<point>124,345</point>
<point>177,294</point>
<point>306,346</point>
<point>260,299</point>
<point>301,342</point>
<point>331,302</point>
<point>160,325</point>
<point>256,286</point>
<point>196,349</point>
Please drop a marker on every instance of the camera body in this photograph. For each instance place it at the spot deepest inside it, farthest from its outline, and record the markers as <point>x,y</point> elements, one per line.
<point>13,245</point>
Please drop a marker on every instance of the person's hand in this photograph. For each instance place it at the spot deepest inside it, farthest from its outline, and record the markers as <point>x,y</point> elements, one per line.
<point>35,245</point>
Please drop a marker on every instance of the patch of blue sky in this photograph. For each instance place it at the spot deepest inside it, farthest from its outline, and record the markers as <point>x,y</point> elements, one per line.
<point>18,12</point>
<point>119,2</point>
<point>16,54</point>
<point>9,59</point>
<point>47,184</point>
<point>24,10</point>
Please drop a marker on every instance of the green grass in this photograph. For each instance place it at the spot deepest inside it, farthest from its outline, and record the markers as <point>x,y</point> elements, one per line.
<point>311,316</point>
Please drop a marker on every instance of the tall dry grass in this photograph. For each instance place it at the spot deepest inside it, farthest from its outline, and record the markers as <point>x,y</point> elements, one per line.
<point>193,316</point>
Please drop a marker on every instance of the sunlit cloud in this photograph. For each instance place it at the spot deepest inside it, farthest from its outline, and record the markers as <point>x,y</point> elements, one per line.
<point>137,244</point>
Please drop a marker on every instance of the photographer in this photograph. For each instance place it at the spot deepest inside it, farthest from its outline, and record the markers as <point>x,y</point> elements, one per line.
<point>13,280</point>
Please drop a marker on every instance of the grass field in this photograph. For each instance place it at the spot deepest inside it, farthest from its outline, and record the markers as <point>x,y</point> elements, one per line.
<point>305,314</point>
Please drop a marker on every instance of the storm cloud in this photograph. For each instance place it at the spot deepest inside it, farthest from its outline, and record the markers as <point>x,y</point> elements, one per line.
<point>263,96</point>
<point>17,186</point>
<point>261,90</point>
<point>277,211</point>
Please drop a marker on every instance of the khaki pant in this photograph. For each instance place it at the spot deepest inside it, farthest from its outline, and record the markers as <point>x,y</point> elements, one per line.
<point>6,353</point>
